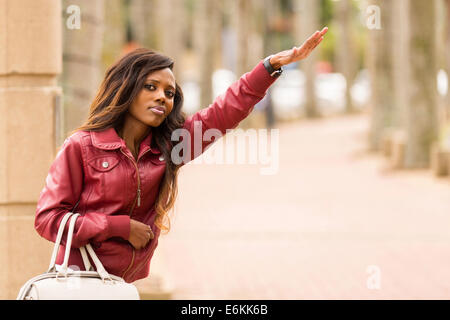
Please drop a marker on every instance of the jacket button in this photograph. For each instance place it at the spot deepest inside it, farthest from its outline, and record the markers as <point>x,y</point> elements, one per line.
<point>161,158</point>
<point>105,164</point>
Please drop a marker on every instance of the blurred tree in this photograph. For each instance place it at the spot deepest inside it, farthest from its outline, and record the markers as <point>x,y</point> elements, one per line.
<point>447,56</point>
<point>307,16</point>
<point>82,52</point>
<point>257,29</point>
<point>421,115</point>
<point>131,43</point>
<point>152,26</point>
<point>440,149</point>
<point>345,50</point>
<point>115,38</point>
<point>328,17</point>
<point>327,12</point>
<point>380,65</point>
<point>207,21</point>
<point>169,24</point>
<point>271,11</point>
<point>400,64</point>
<point>141,18</point>
<point>249,26</point>
<point>241,20</point>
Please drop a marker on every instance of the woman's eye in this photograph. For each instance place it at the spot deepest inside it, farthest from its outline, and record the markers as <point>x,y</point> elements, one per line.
<point>170,94</point>
<point>150,87</point>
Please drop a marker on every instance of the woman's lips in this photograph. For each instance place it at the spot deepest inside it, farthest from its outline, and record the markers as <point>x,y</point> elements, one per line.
<point>157,110</point>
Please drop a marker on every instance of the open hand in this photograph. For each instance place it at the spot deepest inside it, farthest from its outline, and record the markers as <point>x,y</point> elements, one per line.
<point>140,234</point>
<point>298,53</point>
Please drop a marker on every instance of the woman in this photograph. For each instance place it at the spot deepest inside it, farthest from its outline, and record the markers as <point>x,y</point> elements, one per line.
<point>117,169</point>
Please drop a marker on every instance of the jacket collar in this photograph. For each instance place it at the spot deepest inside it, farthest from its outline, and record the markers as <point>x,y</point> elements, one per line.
<point>108,139</point>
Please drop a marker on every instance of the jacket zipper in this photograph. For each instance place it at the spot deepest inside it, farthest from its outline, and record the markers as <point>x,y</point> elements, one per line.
<point>131,264</point>
<point>138,267</point>
<point>138,192</point>
<point>138,195</point>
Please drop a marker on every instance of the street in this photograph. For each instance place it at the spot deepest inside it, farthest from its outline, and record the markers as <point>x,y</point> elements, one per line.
<point>333,223</point>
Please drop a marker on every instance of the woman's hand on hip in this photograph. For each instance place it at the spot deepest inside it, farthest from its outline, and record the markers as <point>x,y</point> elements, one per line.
<point>298,53</point>
<point>140,234</point>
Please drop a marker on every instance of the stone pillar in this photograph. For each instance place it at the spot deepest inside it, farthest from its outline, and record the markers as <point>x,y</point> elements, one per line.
<point>30,131</point>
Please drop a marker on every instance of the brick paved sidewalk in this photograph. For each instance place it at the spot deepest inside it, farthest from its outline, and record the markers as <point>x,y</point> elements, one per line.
<point>313,230</point>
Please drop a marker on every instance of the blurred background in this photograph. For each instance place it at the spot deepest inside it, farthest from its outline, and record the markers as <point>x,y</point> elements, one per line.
<point>360,205</point>
<point>215,42</point>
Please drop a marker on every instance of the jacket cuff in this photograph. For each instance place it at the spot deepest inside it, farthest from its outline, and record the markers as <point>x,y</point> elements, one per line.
<point>119,226</point>
<point>259,78</point>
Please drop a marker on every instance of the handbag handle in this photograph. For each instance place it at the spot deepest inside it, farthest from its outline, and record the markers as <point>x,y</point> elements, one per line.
<point>62,225</point>
<point>64,266</point>
<point>99,266</point>
<point>51,267</point>
<point>84,256</point>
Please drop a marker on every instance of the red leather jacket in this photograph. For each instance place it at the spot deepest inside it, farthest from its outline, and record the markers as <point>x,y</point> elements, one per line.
<point>96,172</point>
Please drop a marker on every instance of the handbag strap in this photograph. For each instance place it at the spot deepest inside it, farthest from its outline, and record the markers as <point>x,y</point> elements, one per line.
<point>98,265</point>
<point>73,219</point>
<point>62,225</point>
<point>84,255</point>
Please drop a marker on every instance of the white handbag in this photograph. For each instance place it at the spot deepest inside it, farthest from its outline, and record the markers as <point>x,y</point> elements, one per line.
<point>64,283</point>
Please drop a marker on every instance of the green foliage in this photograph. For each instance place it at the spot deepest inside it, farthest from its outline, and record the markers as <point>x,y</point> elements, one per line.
<point>326,12</point>
<point>360,40</point>
<point>327,48</point>
<point>359,33</point>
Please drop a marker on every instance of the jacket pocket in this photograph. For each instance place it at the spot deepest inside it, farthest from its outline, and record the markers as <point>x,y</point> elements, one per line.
<point>158,159</point>
<point>105,174</point>
<point>104,163</point>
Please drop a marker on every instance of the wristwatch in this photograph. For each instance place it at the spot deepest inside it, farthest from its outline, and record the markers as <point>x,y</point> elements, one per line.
<point>273,73</point>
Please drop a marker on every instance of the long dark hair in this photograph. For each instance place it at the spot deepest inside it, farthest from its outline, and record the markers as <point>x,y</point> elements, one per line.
<point>122,83</point>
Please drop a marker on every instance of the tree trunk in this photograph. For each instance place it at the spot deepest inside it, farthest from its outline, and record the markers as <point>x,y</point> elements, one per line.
<point>400,67</point>
<point>271,12</point>
<point>82,62</point>
<point>242,27</point>
<point>169,25</point>
<point>206,20</point>
<point>307,12</point>
<point>421,115</point>
<point>142,17</point>
<point>380,65</point>
<point>447,61</point>
<point>115,38</point>
<point>345,49</point>
<point>150,21</point>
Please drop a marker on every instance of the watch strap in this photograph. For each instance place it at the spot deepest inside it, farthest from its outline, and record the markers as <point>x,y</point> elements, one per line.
<point>275,73</point>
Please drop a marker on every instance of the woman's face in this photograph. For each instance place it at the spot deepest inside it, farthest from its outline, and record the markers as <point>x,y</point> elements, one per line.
<point>155,100</point>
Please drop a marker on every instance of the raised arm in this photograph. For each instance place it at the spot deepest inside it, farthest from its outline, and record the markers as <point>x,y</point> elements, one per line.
<point>229,109</point>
